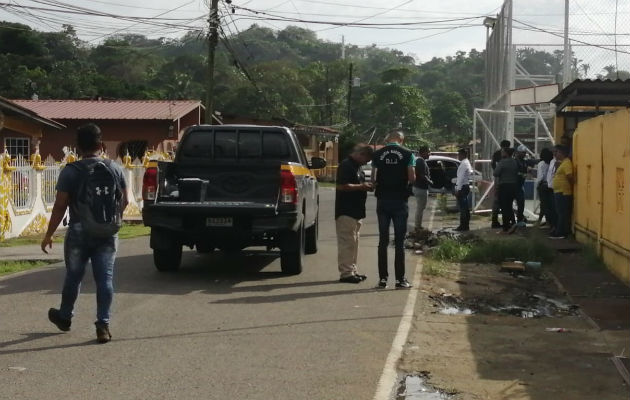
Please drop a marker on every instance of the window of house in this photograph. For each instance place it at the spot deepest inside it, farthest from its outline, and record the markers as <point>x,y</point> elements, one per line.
<point>136,149</point>
<point>18,146</point>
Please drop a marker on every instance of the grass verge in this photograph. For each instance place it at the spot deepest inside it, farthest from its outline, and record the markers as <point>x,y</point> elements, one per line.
<point>127,231</point>
<point>28,240</point>
<point>494,251</point>
<point>327,184</point>
<point>434,267</point>
<point>10,267</point>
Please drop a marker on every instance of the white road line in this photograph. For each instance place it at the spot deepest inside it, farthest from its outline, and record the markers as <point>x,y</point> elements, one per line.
<point>389,377</point>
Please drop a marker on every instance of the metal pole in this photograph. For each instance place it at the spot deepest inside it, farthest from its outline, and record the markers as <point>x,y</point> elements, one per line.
<point>566,70</point>
<point>213,39</point>
<point>349,92</point>
<point>474,157</point>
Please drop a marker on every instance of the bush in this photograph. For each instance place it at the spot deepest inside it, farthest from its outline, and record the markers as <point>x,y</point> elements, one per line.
<point>494,251</point>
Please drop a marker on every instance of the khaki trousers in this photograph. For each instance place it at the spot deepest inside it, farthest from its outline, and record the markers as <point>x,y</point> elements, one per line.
<point>347,244</point>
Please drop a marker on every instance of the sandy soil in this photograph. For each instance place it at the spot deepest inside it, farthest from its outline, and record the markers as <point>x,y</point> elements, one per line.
<point>495,353</point>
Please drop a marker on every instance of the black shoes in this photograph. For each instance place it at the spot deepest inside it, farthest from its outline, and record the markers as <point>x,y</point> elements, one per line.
<point>382,284</point>
<point>102,332</point>
<point>496,225</point>
<point>352,279</point>
<point>55,318</point>
<point>403,284</point>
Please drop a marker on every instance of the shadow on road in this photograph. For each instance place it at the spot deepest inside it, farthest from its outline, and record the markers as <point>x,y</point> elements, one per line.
<point>178,335</point>
<point>215,273</point>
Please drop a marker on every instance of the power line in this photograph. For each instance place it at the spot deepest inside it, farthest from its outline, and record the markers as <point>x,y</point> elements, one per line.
<point>573,39</point>
<point>371,16</point>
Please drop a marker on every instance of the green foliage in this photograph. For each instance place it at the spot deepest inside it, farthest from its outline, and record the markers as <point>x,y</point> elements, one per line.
<point>11,267</point>
<point>492,251</point>
<point>298,77</point>
<point>433,267</point>
<point>451,250</point>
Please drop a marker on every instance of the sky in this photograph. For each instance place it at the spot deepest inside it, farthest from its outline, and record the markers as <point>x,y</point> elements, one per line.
<point>442,27</point>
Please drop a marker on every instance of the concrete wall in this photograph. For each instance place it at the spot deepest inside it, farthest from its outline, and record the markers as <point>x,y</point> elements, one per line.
<point>601,157</point>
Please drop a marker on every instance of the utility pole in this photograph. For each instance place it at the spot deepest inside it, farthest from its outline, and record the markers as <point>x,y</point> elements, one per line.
<point>349,92</point>
<point>213,39</point>
<point>343,47</point>
<point>566,70</point>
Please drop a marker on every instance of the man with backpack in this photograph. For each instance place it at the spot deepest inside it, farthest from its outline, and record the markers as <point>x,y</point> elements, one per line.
<point>94,191</point>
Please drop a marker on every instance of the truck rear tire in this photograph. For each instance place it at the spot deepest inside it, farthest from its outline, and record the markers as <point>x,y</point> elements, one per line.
<point>204,248</point>
<point>312,234</point>
<point>167,260</point>
<point>292,251</point>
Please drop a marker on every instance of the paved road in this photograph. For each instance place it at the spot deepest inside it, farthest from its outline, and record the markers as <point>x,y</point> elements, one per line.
<point>220,328</point>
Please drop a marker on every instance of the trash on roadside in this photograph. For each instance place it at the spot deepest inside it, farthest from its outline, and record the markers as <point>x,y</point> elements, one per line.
<point>19,369</point>
<point>418,252</point>
<point>512,266</point>
<point>455,311</point>
<point>559,330</point>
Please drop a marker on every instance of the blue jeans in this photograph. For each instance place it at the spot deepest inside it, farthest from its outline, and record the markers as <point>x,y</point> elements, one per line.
<point>78,249</point>
<point>395,211</point>
<point>564,205</point>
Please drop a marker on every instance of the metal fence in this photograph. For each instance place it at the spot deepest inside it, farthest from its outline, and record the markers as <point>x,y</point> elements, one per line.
<point>49,180</point>
<point>137,174</point>
<point>23,184</point>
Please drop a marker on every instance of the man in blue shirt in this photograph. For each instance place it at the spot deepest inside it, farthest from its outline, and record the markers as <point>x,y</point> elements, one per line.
<point>79,245</point>
<point>394,174</point>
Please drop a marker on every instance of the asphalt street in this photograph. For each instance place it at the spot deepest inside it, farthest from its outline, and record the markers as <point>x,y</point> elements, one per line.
<point>220,328</point>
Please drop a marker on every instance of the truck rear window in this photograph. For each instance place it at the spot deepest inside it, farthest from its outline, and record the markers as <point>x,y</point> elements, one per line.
<point>229,144</point>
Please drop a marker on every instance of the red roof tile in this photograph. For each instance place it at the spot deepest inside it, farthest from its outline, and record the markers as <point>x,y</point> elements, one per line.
<point>111,109</point>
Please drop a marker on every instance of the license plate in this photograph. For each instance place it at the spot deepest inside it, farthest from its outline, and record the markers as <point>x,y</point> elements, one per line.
<point>220,222</point>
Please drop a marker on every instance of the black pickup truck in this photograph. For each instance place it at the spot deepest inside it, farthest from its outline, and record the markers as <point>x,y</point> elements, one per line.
<point>230,187</point>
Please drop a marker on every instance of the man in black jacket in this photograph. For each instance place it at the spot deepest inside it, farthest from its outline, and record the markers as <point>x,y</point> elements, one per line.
<point>496,207</point>
<point>394,170</point>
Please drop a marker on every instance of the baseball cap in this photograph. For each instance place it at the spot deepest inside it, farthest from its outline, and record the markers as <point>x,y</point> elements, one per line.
<point>521,148</point>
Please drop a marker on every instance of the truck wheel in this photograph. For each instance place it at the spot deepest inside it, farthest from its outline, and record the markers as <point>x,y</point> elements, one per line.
<point>292,251</point>
<point>167,260</point>
<point>312,234</point>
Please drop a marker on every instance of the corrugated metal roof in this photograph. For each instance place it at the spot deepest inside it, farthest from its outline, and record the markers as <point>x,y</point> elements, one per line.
<point>594,93</point>
<point>111,109</point>
<point>13,108</point>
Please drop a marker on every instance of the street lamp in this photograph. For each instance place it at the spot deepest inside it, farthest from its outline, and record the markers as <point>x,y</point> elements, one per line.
<point>489,23</point>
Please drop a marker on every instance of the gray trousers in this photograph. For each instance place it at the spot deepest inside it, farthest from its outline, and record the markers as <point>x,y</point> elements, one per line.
<point>347,244</point>
<point>422,196</point>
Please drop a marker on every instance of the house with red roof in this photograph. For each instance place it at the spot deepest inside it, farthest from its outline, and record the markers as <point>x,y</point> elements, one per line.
<point>128,125</point>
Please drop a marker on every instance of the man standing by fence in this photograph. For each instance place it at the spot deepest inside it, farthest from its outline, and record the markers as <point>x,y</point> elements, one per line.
<point>563,193</point>
<point>94,190</point>
<point>462,190</point>
<point>394,174</point>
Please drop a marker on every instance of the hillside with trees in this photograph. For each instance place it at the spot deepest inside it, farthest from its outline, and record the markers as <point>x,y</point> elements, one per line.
<point>261,73</point>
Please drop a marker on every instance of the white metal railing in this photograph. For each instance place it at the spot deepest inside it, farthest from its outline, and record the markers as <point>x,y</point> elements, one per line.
<point>137,174</point>
<point>49,180</point>
<point>23,184</point>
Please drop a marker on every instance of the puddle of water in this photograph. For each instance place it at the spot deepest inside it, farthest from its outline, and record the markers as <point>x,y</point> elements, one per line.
<point>413,387</point>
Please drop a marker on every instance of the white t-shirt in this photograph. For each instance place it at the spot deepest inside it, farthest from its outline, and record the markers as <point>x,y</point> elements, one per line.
<point>550,173</point>
<point>541,172</point>
<point>463,174</point>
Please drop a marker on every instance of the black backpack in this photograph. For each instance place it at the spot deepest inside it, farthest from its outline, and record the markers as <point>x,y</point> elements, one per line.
<point>99,198</point>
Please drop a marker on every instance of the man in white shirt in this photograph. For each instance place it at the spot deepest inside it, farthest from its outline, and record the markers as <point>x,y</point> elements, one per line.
<point>462,190</point>
<point>551,209</point>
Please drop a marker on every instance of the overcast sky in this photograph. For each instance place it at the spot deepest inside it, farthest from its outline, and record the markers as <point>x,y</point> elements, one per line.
<point>591,20</point>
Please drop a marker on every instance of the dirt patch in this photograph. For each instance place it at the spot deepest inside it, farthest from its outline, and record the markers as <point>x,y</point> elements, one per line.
<point>470,335</point>
<point>515,294</point>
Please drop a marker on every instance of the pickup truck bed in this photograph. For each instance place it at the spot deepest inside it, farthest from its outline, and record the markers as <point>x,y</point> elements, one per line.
<point>231,187</point>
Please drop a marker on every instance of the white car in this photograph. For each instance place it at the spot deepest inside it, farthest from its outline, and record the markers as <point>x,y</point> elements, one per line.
<point>443,171</point>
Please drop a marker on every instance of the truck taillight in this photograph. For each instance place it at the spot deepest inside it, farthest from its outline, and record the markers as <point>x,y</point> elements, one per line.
<point>288,188</point>
<point>149,184</point>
